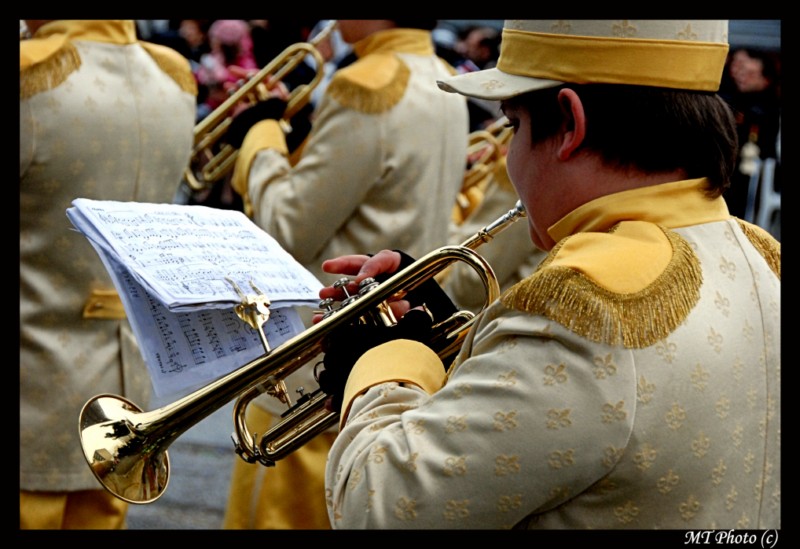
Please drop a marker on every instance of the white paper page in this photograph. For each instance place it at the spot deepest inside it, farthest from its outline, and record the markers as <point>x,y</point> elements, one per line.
<point>186,350</point>
<point>186,254</point>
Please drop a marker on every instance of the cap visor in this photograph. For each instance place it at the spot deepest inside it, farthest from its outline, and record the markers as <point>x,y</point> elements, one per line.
<point>493,84</point>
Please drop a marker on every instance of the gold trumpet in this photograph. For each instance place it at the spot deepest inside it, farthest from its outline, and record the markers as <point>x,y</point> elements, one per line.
<point>126,448</point>
<point>210,161</point>
<point>485,151</point>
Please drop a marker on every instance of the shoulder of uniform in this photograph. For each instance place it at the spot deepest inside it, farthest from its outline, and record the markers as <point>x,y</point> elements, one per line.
<point>766,244</point>
<point>371,85</point>
<point>631,286</point>
<point>174,64</point>
<point>45,63</point>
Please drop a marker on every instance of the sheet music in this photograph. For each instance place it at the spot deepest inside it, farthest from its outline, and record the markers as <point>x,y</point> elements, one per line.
<point>169,264</point>
<point>185,254</point>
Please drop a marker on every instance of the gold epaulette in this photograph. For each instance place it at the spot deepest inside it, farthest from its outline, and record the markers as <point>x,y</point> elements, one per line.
<point>174,64</point>
<point>586,284</point>
<point>765,243</point>
<point>371,85</point>
<point>45,64</point>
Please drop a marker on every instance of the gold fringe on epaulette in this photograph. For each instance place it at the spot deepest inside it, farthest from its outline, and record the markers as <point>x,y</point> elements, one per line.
<point>370,101</point>
<point>49,73</point>
<point>766,244</point>
<point>176,67</point>
<point>634,321</point>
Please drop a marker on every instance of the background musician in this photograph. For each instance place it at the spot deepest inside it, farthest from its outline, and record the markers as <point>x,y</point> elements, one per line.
<point>104,116</point>
<point>633,380</point>
<point>381,168</point>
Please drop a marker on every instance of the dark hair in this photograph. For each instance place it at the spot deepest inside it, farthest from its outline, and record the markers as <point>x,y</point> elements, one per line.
<point>648,128</point>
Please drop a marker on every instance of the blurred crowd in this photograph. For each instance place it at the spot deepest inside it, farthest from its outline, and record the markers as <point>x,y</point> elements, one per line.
<point>224,52</point>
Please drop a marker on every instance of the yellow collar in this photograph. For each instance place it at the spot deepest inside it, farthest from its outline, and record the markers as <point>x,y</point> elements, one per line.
<point>397,41</point>
<point>55,36</point>
<point>670,205</point>
<point>115,31</point>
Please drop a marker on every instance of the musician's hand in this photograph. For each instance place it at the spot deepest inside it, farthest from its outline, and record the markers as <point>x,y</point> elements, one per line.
<point>272,108</point>
<point>342,351</point>
<point>359,267</point>
<point>381,267</point>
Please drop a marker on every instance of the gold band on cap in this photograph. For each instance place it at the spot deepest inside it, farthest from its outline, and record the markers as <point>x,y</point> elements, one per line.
<point>689,65</point>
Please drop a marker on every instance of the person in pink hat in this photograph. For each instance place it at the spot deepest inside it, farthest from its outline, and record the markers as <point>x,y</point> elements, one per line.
<point>632,381</point>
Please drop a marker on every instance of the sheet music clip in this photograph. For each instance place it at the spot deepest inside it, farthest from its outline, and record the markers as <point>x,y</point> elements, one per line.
<point>254,310</point>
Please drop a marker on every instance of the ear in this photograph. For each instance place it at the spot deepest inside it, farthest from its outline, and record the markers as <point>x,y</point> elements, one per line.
<point>575,118</point>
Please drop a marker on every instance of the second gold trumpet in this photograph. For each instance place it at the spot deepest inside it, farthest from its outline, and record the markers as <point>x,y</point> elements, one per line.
<point>212,160</point>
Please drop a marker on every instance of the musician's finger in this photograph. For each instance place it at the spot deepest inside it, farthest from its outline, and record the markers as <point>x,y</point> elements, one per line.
<point>385,261</point>
<point>346,265</point>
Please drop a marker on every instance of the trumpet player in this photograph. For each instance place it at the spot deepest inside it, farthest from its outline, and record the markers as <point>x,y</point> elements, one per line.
<point>381,168</point>
<point>633,380</point>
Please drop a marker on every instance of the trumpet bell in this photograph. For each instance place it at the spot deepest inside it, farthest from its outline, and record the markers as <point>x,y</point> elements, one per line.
<point>115,453</point>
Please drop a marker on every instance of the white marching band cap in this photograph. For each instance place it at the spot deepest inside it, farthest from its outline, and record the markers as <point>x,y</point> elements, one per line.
<point>538,54</point>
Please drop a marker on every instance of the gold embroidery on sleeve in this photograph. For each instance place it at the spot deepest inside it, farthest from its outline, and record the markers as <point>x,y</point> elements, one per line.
<point>645,390</point>
<point>626,513</point>
<point>456,509</point>
<point>604,367</point>
<point>411,464</point>
<point>354,479</point>
<point>405,509</point>
<point>723,304</point>
<point>455,466</point>
<point>555,374</point>
<point>559,459</point>
<point>666,349</point>
<point>723,407</point>
<point>377,454</point>
<point>456,424</point>
<point>669,481</point>
<point>743,523</point>
<point>506,465</point>
<point>701,444</point>
<point>749,460</point>
<point>462,389</point>
<point>689,508</point>
<point>727,268</point>
<point>614,412</point>
<point>509,503</point>
<point>700,377</point>
<point>675,417</point>
<point>611,456</point>
<point>645,457</point>
<point>715,340</point>
<point>508,379</point>
<point>731,498</point>
<point>558,418</point>
<point>505,421</point>
<point>718,472</point>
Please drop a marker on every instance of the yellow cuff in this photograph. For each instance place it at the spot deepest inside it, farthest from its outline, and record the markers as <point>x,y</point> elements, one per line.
<point>267,134</point>
<point>104,305</point>
<point>401,360</point>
